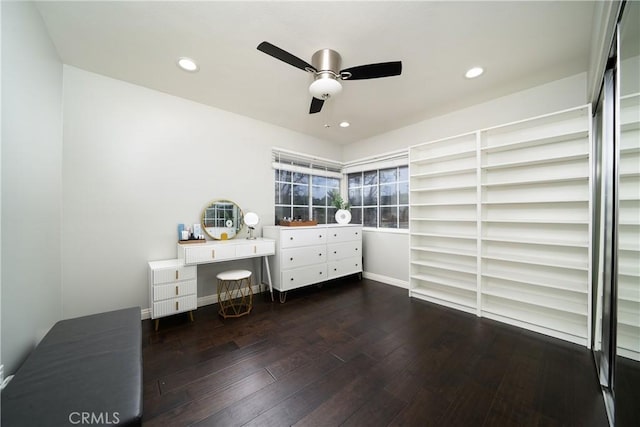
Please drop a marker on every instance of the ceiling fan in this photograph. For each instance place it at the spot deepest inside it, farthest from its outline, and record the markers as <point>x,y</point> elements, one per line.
<point>327,73</point>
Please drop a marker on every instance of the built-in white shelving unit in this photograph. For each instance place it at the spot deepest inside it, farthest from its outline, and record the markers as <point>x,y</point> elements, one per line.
<point>443,221</point>
<point>500,223</point>
<point>628,338</point>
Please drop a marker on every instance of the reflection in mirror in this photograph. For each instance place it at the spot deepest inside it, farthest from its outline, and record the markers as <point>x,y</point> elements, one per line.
<point>627,362</point>
<point>222,219</point>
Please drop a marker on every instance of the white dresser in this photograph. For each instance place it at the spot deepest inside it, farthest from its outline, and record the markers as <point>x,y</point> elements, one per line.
<point>308,255</point>
<point>172,288</point>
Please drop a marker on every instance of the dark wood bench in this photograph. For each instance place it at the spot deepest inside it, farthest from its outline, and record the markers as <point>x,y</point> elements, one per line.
<point>85,371</point>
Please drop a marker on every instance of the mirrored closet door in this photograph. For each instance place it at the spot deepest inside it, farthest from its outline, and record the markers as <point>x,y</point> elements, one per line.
<point>616,223</point>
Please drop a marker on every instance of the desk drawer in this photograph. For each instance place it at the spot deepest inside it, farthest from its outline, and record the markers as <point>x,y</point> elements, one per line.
<point>307,237</point>
<point>257,248</point>
<point>209,253</point>
<point>292,279</point>
<point>175,305</point>
<point>169,275</point>
<point>173,290</point>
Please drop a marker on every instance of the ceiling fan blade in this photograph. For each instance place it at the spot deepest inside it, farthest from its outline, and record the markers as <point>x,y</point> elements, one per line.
<point>373,71</point>
<point>316,105</point>
<point>284,56</point>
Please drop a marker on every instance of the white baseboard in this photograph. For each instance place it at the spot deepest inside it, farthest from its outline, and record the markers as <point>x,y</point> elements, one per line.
<point>386,279</point>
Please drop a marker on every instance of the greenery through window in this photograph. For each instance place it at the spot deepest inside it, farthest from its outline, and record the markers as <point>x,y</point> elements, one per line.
<point>380,198</point>
<point>304,196</point>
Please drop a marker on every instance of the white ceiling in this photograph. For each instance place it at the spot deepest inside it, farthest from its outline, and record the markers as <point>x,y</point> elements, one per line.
<point>520,45</point>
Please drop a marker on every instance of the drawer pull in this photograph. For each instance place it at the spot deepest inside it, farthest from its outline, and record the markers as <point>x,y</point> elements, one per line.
<point>177,274</point>
<point>213,253</point>
<point>176,290</point>
<point>335,235</point>
<point>255,249</point>
<point>335,269</point>
<point>356,249</point>
<point>321,273</point>
<point>320,254</point>
<point>291,259</point>
<point>291,238</point>
<point>319,236</point>
<point>335,252</point>
<point>291,279</point>
<point>176,305</point>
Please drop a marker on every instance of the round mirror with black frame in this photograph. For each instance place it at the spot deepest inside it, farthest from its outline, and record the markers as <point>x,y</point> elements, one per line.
<point>222,219</point>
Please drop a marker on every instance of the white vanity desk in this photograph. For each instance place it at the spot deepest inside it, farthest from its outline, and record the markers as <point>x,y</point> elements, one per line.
<point>173,283</point>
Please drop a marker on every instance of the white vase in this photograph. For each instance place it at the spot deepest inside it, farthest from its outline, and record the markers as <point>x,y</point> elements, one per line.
<point>343,216</point>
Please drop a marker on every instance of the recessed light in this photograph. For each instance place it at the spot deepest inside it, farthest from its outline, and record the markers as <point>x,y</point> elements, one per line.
<point>188,64</point>
<point>474,72</point>
<point>345,124</point>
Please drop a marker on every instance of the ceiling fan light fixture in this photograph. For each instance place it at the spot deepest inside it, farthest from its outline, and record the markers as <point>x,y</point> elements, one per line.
<point>188,64</point>
<point>324,87</point>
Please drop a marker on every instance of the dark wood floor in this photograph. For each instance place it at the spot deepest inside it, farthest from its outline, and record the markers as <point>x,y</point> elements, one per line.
<point>358,353</point>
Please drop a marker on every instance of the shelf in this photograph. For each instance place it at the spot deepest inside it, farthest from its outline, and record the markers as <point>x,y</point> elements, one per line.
<point>419,205</point>
<point>443,173</point>
<point>539,262</point>
<point>444,251</point>
<point>471,287</point>
<point>537,181</point>
<point>455,187</point>
<point>560,306</point>
<point>442,157</point>
<point>536,141</point>
<point>537,283</point>
<point>457,299</point>
<point>537,221</point>
<point>444,219</point>
<point>447,235</point>
<point>520,163</point>
<point>584,245</point>
<point>447,266</point>
<point>536,315</point>
<point>537,201</point>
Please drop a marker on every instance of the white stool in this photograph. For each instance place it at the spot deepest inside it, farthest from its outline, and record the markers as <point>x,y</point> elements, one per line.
<point>234,293</point>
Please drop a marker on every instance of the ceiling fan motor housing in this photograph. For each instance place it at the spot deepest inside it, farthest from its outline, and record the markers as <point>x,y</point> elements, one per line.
<point>327,62</point>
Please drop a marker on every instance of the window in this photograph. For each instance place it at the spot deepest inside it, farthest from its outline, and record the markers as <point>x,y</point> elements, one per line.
<point>303,185</point>
<point>304,196</point>
<point>380,198</point>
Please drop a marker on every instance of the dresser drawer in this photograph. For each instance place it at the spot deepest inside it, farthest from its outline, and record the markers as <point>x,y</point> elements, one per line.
<point>306,237</point>
<point>178,272</point>
<point>175,305</point>
<point>344,267</point>
<point>298,277</point>
<point>306,255</point>
<point>338,251</point>
<point>343,234</point>
<point>173,290</point>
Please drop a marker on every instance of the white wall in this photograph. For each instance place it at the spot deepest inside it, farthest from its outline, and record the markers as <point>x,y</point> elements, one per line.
<point>386,254</point>
<point>136,163</point>
<point>31,182</point>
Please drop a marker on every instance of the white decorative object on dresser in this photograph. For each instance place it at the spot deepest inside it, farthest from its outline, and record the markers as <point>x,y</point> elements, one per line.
<point>308,255</point>
<point>172,288</point>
